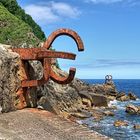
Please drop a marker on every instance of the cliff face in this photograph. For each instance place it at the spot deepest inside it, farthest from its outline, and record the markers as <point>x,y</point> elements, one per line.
<point>9,79</point>
<point>51,96</point>
<point>60,99</point>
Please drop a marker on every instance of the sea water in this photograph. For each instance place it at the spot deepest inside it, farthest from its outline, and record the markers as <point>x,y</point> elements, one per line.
<point>106,126</point>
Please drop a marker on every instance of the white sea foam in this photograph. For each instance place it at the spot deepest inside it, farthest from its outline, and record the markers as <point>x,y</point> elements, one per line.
<point>118,104</point>
<point>112,103</point>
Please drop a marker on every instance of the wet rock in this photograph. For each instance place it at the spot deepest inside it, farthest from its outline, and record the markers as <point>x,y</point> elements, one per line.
<point>112,93</point>
<point>132,96</point>
<point>137,126</point>
<point>132,109</point>
<point>111,98</point>
<point>138,110</point>
<point>120,123</point>
<point>109,113</point>
<point>119,95</point>
<point>123,98</point>
<point>111,108</point>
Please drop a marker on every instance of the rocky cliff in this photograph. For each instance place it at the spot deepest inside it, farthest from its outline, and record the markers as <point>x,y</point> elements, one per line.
<point>73,97</point>
<point>9,81</point>
<point>76,99</point>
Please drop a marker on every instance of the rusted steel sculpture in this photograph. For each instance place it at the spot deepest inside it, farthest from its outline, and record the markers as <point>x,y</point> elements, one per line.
<point>44,55</point>
<point>108,79</point>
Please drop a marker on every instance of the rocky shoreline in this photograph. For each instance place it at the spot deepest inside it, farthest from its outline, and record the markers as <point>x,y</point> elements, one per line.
<point>74,101</point>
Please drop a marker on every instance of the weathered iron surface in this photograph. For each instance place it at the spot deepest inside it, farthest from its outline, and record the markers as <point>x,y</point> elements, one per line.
<point>45,56</point>
<point>108,79</point>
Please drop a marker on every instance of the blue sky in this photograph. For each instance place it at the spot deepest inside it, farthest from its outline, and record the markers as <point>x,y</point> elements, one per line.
<point>110,30</point>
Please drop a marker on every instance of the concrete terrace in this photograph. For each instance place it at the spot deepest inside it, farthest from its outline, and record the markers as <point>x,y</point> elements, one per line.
<point>34,124</point>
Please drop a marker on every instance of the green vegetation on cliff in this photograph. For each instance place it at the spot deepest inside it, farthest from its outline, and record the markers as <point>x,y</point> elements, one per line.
<point>16,27</point>
<point>14,31</point>
<point>13,7</point>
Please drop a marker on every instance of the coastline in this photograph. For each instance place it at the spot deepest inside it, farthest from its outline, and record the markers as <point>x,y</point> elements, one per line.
<point>125,113</point>
<point>78,99</point>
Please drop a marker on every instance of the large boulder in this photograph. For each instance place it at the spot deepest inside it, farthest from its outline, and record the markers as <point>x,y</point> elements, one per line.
<point>120,123</point>
<point>137,126</point>
<point>86,98</point>
<point>99,100</point>
<point>11,75</point>
<point>109,113</point>
<point>132,96</point>
<point>132,109</point>
<point>106,89</point>
<point>59,98</point>
<point>119,95</point>
<point>94,98</point>
<point>123,98</point>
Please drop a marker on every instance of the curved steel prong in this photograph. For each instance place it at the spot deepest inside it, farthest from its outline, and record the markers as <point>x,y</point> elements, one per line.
<point>66,32</point>
<point>80,46</point>
<point>63,80</point>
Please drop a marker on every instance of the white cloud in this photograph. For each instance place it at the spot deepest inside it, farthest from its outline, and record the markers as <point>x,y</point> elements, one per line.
<point>66,10</point>
<point>41,13</point>
<point>108,1</point>
<point>51,12</point>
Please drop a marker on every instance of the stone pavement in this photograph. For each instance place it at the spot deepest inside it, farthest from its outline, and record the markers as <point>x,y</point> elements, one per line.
<point>34,124</point>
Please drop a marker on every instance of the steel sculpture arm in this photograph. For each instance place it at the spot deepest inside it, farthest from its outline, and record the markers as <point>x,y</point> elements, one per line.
<point>80,46</point>
<point>67,32</point>
<point>44,56</point>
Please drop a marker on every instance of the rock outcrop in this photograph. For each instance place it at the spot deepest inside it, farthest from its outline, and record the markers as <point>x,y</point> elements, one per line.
<point>74,99</point>
<point>137,126</point>
<point>51,96</point>
<point>132,109</point>
<point>9,79</point>
<point>120,123</point>
<point>132,96</point>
